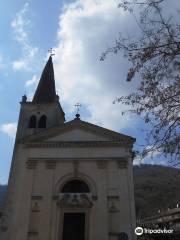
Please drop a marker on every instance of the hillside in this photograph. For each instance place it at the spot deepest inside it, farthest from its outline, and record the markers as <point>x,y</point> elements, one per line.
<point>156,187</point>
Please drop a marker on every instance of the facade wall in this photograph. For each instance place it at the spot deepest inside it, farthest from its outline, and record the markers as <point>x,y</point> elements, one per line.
<point>39,214</point>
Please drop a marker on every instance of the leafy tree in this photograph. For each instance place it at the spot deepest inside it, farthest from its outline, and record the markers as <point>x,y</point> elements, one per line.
<point>154,56</point>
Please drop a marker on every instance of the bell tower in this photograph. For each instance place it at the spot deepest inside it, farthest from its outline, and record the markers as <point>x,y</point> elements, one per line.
<point>42,113</point>
<point>45,110</point>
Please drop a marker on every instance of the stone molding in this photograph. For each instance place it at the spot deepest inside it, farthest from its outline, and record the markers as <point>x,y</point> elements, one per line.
<point>75,200</point>
<point>36,197</point>
<point>78,144</point>
<point>70,176</point>
<point>56,197</point>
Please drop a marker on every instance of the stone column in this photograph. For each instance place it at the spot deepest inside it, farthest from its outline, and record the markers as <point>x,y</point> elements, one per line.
<point>46,184</point>
<point>23,201</point>
<point>132,200</point>
<point>102,206</point>
<point>125,211</point>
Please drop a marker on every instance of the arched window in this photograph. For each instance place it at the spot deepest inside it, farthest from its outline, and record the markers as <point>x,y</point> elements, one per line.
<point>75,186</point>
<point>32,122</point>
<point>42,122</point>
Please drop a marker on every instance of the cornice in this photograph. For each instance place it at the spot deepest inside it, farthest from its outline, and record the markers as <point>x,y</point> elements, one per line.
<point>78,144</point>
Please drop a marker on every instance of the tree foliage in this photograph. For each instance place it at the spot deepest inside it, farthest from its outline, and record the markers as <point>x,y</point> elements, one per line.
<point>155,59</point>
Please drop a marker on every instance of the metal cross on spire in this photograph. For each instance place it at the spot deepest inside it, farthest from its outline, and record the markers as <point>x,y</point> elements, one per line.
<point>51,51</point>
<point>78,105</point>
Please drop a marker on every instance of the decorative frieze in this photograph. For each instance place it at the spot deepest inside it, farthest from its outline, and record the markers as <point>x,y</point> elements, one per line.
<point>113,203</point>
<point>50,164</point>
<point>34,218</point>
<point>35,206</point>
<point>113,208</point>
<point>122,162</point>
<point>56,197</point>
<point>101,164</point>
<point>31,164</point>
<point>75,200</point>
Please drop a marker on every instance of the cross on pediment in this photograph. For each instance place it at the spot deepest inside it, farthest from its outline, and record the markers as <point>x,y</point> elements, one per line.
<point>78,105</point>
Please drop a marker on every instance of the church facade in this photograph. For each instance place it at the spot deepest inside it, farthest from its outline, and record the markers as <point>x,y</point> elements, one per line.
<point>68,180</point>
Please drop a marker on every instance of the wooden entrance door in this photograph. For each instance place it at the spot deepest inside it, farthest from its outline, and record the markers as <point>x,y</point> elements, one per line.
<point>74,226</point>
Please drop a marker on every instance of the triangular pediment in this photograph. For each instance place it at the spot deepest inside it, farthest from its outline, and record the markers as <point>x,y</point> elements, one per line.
<point>77,134</point>
<point>80,131</point>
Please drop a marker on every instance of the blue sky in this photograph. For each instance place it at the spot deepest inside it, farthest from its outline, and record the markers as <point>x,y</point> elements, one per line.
<point>79,31</point>
<point>40,24</point>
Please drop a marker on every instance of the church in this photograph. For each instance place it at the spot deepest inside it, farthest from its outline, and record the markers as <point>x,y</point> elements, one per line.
<point>68,180</point>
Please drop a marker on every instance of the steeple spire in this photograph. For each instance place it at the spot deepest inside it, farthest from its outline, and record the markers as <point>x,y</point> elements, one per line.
<point>46,91</point>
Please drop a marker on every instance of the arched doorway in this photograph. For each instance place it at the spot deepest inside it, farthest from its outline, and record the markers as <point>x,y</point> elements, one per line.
<point>75,201</point>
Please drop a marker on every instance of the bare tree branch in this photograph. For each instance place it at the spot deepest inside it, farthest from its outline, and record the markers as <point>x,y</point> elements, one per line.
<point>155,59</point>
